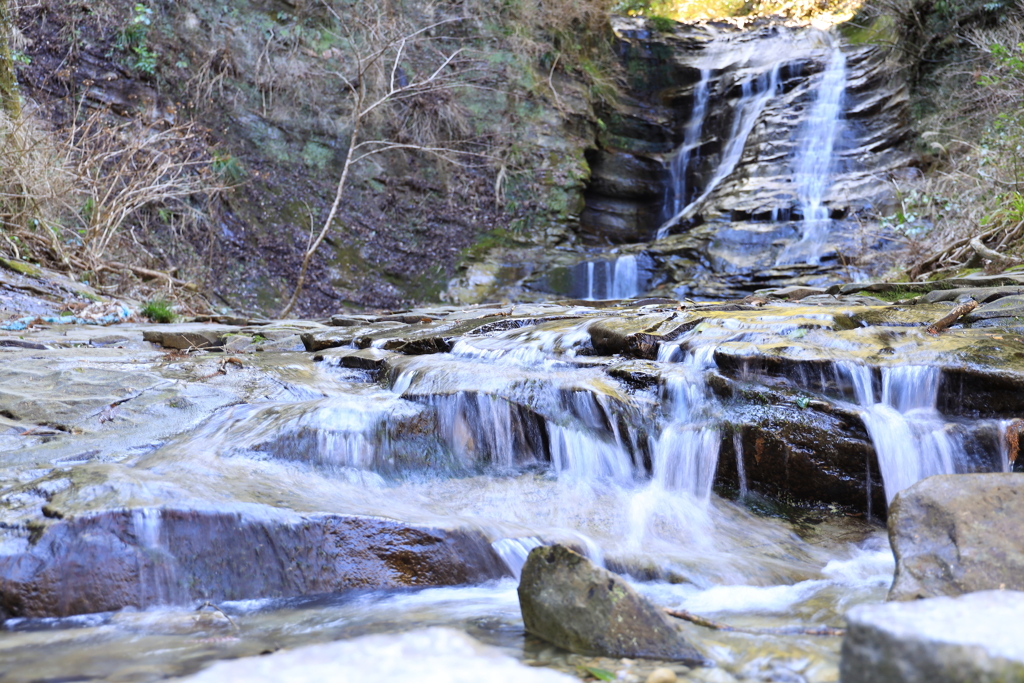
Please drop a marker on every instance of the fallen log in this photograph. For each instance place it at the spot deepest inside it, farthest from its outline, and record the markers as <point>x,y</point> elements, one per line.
<point>959,311</point>
<point>781,631</point>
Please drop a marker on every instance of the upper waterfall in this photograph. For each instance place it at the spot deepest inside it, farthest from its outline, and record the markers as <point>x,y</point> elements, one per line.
<point>744,158</point>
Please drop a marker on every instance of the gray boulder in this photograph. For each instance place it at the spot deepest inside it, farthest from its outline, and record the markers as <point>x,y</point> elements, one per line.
<point>976,638</point>
<point>958,533</point>
<point>569,601</point>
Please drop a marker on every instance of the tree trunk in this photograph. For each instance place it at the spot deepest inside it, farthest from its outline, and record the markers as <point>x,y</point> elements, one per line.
<point>10,100</point>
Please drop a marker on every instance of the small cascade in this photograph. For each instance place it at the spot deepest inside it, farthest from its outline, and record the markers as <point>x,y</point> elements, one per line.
<point>147,525</point>
<point>756,93</point>
<point>618,279</point>
<point>480,428</point>
<point>581,457</point>
<point>514,551</point>
<point>741,473</point>
<point>156,568</point>
<point>1009,443</point>
<point>815,160</point>
<point>910,437</point>
<point>678,193</point>
<point>686,454</point>
<point>362,431</point>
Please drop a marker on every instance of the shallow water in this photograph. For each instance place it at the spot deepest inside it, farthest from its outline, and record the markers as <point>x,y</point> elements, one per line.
<point>525,437</point>
<point>741,569</point>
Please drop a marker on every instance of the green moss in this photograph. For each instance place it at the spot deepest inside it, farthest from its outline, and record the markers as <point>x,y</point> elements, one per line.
<point>882,30</point>
<point>495,239</point>
<point>21,267</point>
<point>317,156</point>
<point>895,294</point>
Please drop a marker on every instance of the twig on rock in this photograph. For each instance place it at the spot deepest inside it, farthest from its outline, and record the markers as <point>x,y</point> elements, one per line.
<point>781,631</point>
<point>218,609</point>
<point>954,315</point>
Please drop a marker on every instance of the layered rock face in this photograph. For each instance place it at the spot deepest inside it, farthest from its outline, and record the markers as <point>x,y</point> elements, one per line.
<point>749,150</point>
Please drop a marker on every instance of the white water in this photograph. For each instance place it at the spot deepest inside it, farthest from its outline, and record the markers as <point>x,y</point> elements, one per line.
<point>815,160</point>
<point>619,279</point>
<point>691,142</point>
<point>756,93</point>
<point>910,437</point>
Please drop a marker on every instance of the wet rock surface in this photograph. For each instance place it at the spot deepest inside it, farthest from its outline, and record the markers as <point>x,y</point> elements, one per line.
<point>958,534</point>
<point>153,556</point>
<point>141,476</point>
<point>975,637</point>
<point>569,601</point>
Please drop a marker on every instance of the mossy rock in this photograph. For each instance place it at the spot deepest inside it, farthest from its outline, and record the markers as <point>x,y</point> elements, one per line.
<point>21,267</point>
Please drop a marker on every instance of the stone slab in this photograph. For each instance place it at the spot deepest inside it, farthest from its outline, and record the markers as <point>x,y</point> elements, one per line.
<point>975,638</point>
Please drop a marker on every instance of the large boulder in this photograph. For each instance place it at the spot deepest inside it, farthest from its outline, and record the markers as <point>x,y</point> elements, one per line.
<point>959,533</point>
<point>571,602</point>
<point>976,638</point>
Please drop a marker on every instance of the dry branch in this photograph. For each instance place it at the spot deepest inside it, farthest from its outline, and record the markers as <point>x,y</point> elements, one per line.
<point>981,250</point>
<point>958,312</point>
<point>380,81</point>
<point>781,631</point>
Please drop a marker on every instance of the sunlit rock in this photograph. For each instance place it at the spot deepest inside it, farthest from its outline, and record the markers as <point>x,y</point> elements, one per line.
<point>958,534</point>
<point>569,601</point>
<point>976,638</point>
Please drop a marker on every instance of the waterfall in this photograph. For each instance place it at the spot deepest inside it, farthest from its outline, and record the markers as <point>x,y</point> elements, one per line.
<point>583,457</point>
<point>755,95</point>
<point>625,279</point>
<point>677,189</point>
<point>908,433</point>
<point>514,551</point>
<point>686,453</point>
<point>741,472</point>
<point>814,162</point>
<point>478,427</point>
<point>613,280</point>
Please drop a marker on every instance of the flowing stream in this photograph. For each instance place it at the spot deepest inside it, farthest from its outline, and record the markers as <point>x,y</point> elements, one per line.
<point>519,435</point>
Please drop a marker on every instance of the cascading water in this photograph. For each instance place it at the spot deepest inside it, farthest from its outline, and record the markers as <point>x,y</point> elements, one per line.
<point>618,279</point>
<point>678,192</point>
<point>755,95</point>
<point>910,437</point>
<point>815,160</point>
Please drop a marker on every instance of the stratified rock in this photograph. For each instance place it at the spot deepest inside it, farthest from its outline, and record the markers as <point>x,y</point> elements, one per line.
<point>433,654</point>
<point>119,558</point>
<point>982,295</point>
<point>1007,307</point>
<point>569,601</point>
<point>640,336</point>
<point>359,359</point>
<point>345,336</point>
<point>976,638</point>
<point>955,534</point>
